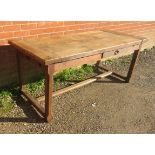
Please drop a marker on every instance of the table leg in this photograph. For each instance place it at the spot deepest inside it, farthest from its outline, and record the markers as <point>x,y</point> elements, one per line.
<point>132,65</point>
<point>19,71</point>
<point>99,61</point>
<point>48,94</point>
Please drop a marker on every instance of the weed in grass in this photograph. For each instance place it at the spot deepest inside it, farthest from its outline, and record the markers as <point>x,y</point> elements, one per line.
<point>108,62</point>
<point>36,87</point>
<point>6,101</point>
<point>73,73</point>
<point>88,68</point>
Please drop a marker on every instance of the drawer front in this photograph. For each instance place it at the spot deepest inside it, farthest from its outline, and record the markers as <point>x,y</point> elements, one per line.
<point>120,51</point>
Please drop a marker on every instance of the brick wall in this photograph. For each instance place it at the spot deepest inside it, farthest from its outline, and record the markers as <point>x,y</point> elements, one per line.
<point>24,30</point>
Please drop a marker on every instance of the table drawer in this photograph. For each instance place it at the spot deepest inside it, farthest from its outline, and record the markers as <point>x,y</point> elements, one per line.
<point>120,51</point>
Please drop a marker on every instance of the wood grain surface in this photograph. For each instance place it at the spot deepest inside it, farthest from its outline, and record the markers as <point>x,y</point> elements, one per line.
<point>50,50</point>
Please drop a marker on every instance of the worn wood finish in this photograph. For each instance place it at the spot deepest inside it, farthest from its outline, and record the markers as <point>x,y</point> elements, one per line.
<point>132,65</point>
<point>71,51</point>
<point>94,58</point>
<point>72,87</point>
<point>49,50</point>
<point>48,93</point>
<point>103,75</point>
<point>133,62</point>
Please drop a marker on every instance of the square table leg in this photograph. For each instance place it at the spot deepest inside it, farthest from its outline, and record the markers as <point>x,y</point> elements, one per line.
<point>19,71</point>
<point>48,94</point>
<point>132,65</point>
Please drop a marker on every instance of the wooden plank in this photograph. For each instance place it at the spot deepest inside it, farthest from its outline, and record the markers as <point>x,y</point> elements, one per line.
<point>27,50</point>
<point>72,87</point>
<point>49,50</point>
<point>34,102</point>
<point>103,75</point>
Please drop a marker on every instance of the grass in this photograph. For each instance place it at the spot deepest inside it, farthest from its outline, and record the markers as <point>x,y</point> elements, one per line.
<point>74,73</point>
<point>61,79</point>
<point>6,101</point>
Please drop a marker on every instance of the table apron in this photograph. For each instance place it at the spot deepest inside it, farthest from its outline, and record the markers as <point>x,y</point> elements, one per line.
<point>92,59</point>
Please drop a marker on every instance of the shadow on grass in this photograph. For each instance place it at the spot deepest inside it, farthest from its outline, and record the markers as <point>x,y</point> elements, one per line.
<point>31,114</point>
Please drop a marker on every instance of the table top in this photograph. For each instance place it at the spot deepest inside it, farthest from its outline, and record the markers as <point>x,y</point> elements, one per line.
<point>50,50</point>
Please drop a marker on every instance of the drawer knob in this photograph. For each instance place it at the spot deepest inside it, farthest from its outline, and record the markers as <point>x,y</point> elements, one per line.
<point>116,52</point>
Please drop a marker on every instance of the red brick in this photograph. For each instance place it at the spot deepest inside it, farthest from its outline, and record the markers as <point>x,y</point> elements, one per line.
<point>48,30</point>
<point>19,22</point>
<point>11,28</point>
<point>83,22</point>
<point>55,24</point>
<point>1,29</point>
<point>44,24</point>
<point>33,22</point>
<point>30,37</point>
<point>5,23</point>
<point>69,23</point>
<point>49,24</point>
<point>37,31</point>
<point>59,23</point>
<point>59,29</point>
<point>20,33</point>
<point>75,27</point>
<point>28,26</point>
<point>90,25</point>
<point>5,35</point>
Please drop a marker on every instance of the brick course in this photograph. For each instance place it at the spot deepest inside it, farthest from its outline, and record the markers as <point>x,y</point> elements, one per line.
<point>26,29</point>
<point>36,29</point>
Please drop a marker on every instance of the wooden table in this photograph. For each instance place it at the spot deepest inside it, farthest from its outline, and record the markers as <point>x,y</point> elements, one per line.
<point>55,54</point>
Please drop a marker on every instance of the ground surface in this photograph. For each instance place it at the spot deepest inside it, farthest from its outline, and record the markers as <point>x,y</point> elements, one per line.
<point>107,106</point>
